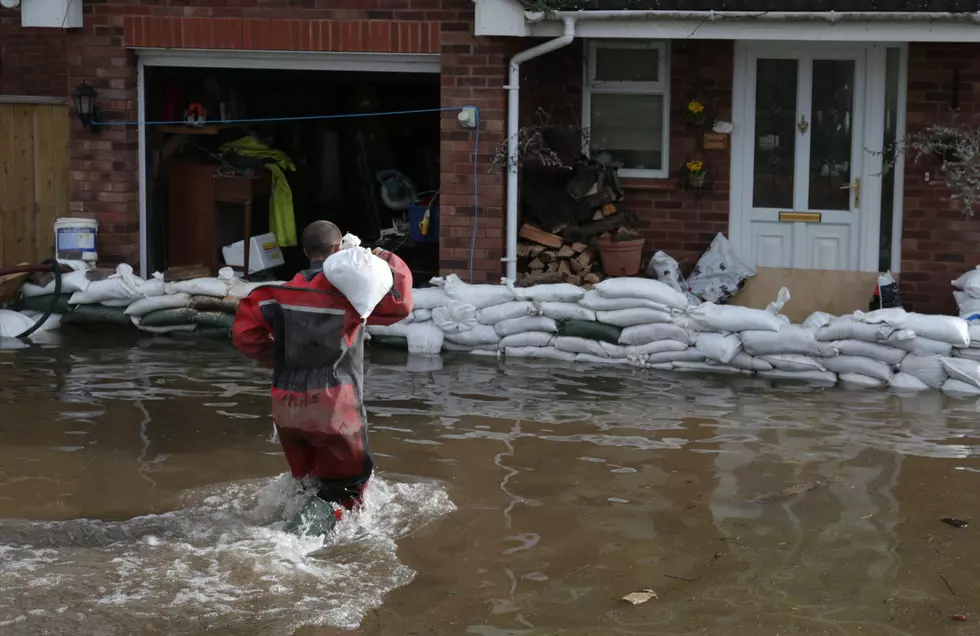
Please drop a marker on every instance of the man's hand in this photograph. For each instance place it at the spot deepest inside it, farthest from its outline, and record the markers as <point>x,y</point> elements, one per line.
<point>376,251</point>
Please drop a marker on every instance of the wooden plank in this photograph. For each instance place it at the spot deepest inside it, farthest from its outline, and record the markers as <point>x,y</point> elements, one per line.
<point>836,292</point>
<point>20,182</point>
<point>33,99</point>
<point>538,235</point>
<point>44,195</point>
<point>60,124</point>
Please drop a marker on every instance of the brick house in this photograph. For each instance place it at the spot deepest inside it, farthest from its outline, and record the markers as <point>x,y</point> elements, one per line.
<point>811,94</point>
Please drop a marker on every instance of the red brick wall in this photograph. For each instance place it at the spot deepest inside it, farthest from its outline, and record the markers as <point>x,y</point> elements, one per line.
<point>32,61</point>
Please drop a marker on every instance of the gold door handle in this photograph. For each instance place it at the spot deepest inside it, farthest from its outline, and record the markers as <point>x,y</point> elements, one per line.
<point>856,186</point>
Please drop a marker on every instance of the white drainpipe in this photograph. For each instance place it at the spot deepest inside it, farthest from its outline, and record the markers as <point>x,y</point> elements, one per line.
<point>513,125</point>
<point>759,16</point>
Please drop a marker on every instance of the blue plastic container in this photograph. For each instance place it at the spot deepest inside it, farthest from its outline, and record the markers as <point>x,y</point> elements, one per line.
<point>415,215</point>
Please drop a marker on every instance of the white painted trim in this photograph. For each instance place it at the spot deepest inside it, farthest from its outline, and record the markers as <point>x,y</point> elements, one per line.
<point>141,128</point>
<point>739,140</point>
<point>293,60</point>
<point>900,128</point>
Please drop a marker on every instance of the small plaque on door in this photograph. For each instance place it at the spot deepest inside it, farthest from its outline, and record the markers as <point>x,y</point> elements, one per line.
<point>800,217</point>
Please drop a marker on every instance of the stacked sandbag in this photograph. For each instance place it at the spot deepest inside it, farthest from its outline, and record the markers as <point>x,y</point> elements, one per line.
<point>966,292</point>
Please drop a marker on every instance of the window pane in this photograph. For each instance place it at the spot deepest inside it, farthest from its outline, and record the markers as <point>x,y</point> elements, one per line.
<point>630,128</point>
<point>830,134</point>
<point>627,65</point>
<point>888,160</point>
<point>775,134</point>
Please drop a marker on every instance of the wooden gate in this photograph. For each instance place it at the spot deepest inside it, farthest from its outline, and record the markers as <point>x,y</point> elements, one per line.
<point>33,176</point>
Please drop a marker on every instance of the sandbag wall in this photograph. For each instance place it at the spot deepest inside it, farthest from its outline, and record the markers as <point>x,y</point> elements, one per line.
<point>644,323</point>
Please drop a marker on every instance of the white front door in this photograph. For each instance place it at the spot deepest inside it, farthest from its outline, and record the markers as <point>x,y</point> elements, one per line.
<point>803,185</point>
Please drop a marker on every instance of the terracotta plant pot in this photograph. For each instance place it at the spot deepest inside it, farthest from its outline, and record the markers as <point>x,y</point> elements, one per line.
<point>621,258</point>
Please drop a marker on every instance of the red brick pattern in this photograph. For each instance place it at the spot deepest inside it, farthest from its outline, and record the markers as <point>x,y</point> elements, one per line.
<point>23,52</point>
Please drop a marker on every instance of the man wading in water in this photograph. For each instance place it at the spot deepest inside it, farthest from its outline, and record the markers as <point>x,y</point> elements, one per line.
<point>313,339</point>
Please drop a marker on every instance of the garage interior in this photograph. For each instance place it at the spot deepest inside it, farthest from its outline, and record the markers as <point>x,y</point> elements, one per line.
<point>375,176</point>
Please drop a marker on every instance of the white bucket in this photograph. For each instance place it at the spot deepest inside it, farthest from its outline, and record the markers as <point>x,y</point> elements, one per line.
<point>76,235</point>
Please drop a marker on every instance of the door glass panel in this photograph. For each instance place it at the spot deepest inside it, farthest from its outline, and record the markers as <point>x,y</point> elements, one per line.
<point>775,133</point>
<point>831,121</point>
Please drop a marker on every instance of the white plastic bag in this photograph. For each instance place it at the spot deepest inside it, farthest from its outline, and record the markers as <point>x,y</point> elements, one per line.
<point>793,362</point>
<point>865,381</point>
<point>567,311</point>
<point>657,346</point>
<point>554,292</point>
<point>963,370</point>
<point>632,317</point>
<point>144,306</point>
<point>580,345</point>
<point>645,288</point>
<point>548,353</point>
<point>505,311</point>
<point>817,319</point>
<point>720,272</point>
<point>642,334</point>
<point>969,282</point>
<point>819,377</point>
<point>524,324</point>
<point>12,324</point>
<point>479,296</point>
<point>750,363</point>
<point>718,347</point>
<point>959,388</point>
<point>424,338</point>
<point>597,302</point>
<point>789,339</point>
<point>928,369</point>
<point>527,339</point>
<point>919,346</point>
<point>429,298</point>
<point>123,285</point>
<point>889,355</point>
<point>860,365</point>
<point>730,318</point>
<point>902,381</point>
<point>456,317</point>
<point>665,269</point>
<point>363,278</point>
<point>942,328</point>
<point>478,335</point>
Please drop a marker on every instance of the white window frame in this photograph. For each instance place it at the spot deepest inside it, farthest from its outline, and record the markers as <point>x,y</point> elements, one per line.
<point>661,87</point>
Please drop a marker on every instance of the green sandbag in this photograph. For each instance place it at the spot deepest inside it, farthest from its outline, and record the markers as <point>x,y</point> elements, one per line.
<point>169,317</point>
<point>226,305</point>
<point>215,319</point>
<point>41,303</point>
<point>95,315</point>
<point>590,331</point>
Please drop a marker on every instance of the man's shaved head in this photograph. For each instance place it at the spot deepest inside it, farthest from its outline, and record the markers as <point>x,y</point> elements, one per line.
<point>321,239</point>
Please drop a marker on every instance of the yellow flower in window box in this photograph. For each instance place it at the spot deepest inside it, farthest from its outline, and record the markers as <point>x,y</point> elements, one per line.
<point>695,113</point>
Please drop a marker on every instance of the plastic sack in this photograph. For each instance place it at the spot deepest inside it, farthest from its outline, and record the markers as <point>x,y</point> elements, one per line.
<point>505,311</point>
<point>959,388</point>
<point>548,353</point>
<point>12,324</point>
<point>363,278</point>
<point>730,319</point>
<point>847,328</point>
<point>963,370</point>
<point>479,296</point>
<point>123,285</point>
<point>456,317</point>
<point>658,346</point>
<point>942,328</point>
<point>527,339</point>
<point>789,339</point>
<point>614,350</point>
<point>720,272</point>
<point>860,365</point>
<point>596,302</point>
<point>349,240</point>
<point>928,369</point>
<point>793,362</point>
<point>429,298</point>
<point>750,363</point>
<point>632,317</point>
<point>562,311</point>
<point>968,305</point>
<point>665,269</point>
<point>717,347</point>
<point>816,320</point>
<point>902,381</point>
<point>421,315</point>
<point>580,345</point>
<point>524,324</point>
<point>645,288</point>
<point>969,282</point>
<point>919,346</point>
<point>478,335</point>
<point>688,355</point>
<point>424,338</point>
<point>642,334</point>
<point>864,381</point>
<point>820,377</point>
<point>144,306</point>
<point>590,331</point>
<point>72,282</point>
<point>880,352</point>
<point>554,293</point>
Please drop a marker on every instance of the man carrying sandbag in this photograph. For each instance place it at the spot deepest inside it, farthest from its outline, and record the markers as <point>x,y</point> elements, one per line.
<point>312,336</point>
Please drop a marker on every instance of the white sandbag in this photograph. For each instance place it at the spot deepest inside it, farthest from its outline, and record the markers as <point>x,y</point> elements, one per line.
<point>719,273</point>
<point>889,355</point>
<point>525,323</point>
<point>959,388</point>
<point>789,339</point>
<point>643,334</point>
<point>847,328</point>
<point>479,296</point>
<point>974,330</point>
<point>566,311</point>
<point>424,363</point>
<point>455,317</point>
<point>657,346</point>
<point>505,311</point>
<point>463,348</point>
<point>548,353</point>
<point>52,323</point>
<point>123,285</point>
<point>162,330</point>
<point>421,315</point>
<point>928,369</point>
<point>661,366</point>
<point>750,363</point>
<point>214,287</point>
<point>549,293</point>
<point>793,362</point>
<point>969,282</point>
<point>666,270</point>
<point>963,370</point>
<point>632,317</point>
<point>969,354</point>
<point>397,330</point>
<point>154,286</point>
<point>614,350</point>
<point>864,381</point>
<point>730,318</point>
<point>527,339</point>
<point>820,377</point>
<point>71,282</point>
<point>688,355</point>
<point>817,319</point>
<point>588,358</point>
<point>429,298</point>
<point>363,278</point>
<point>709,367</point>
<point>949,329</point>
<point>580,345</point>
<point>597,302</point>
<point>478,335</point>
<point>919,346</point>
<point>12,324</point>
<point>241,289</point>
<point>424,338</point>
<point>144,306</point>
<point>119,302</point>
<point>652,290</point>
<point>716,346</point>
<point>860,365</point>
<point>902,381</point>
<point>968,305</point>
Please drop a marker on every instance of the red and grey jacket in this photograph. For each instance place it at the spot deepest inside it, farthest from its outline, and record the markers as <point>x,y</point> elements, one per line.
<point>313,339</point>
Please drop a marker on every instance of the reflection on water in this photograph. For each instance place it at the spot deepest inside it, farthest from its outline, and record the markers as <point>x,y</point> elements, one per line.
<point>141,495</point>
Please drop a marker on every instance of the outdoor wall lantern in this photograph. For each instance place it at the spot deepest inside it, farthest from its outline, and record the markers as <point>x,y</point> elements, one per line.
<point>85,108</point>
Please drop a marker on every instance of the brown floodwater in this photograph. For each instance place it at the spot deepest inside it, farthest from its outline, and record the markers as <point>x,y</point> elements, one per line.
<point>140,493</point>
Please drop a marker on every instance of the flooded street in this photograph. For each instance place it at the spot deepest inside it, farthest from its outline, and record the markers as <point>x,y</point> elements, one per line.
<point>140,493</point>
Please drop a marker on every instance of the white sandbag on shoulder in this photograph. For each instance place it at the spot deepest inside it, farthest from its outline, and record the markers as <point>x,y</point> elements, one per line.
<point>71,282</point>
<point>12,324</point>
<point>397,330</point>
<point>421,315</point>
<point>959,388</point>
<point>847,328</point>
<point>652,290</point>
<point>820,377</point>
<point>527,339</point>
<point>566,311</point>
<point>860,365</point>
<point>588,358</point>
<point>657,346</point>
<point>597,302</point>
<point>793,362</point>
<point>524,324</point>
<point>505,311</point>
<point>857,379</point>
<point>688,355</point>
<point>816,320</point>
<point>479,296</point>
<point>455,317</point>
<point>917,345</point>
<point>789,339</point>
<point>478,335</point>
<point>928,369</point>
<point>889,355</point>
<point>963,370</point>
<point>362,277</point>
<point>902,381</point>
<point>750,363</point>
<point>949,329</point>
<point>123,285</point>
<point>424,337</point>
<point>214,287</point>
<point>643,334</point>
<point>580,345</point>
<point>969,282</point>
<point>549,293</point>
<point>708,367</point>
<point>716,346</point>
<point>730,318</point>
<point>429,298</point>
<point>632,317</point>
<point>548,353</point>
<point>144,306</point>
